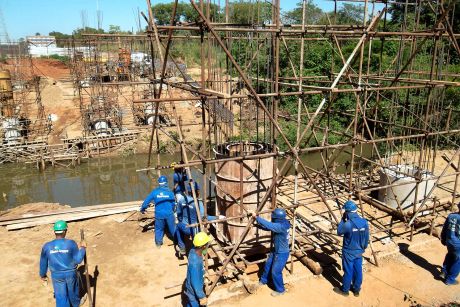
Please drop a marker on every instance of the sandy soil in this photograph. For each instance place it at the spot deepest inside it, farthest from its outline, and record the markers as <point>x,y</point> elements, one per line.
<point>132,272</point>
<point>50,68</point>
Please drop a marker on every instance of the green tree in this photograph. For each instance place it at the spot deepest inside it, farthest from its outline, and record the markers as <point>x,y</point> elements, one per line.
<point>114,29</point>
<point>250,12</point>
<point>313,14</point>
<point>77,33</point>
<point>185,12</point>
<point>350,14</point>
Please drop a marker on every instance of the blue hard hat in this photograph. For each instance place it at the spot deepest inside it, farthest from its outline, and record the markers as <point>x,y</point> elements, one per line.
<point>163,180</point>
<point>350,206</point>
<point>279,213</point>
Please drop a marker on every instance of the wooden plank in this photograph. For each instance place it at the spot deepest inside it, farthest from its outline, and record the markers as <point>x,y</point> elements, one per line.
<point>70,217</point>
<point>27,216</point>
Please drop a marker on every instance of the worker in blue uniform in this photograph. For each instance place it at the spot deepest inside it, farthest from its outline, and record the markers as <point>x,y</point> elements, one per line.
<point>194,283</point>
<point>278,257</point>
<point>187,215</point>
<point>450,237</point>
<point>180,180</point>
<point>62,256</point>
<point>163,199</point>
<point>355,232</point>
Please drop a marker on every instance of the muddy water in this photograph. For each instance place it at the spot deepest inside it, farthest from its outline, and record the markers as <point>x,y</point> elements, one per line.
<point>97,181</point>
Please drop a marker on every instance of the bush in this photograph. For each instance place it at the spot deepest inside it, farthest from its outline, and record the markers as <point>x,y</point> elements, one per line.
<point>62,58</point>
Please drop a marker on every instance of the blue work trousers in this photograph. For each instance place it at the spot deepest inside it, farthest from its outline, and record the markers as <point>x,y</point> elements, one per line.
<point>182,231</point>
<point>274,268</point>
<point>192,300</point>
<point>352,273</point>
<point>451,266</point>
<point>66,290</point>
<point>161,224</point>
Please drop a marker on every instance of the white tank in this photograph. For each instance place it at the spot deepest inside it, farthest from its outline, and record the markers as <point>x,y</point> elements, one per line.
<point>404,193</point>
<point>149,109</point>
<point>12,136</point>
<point>10,123</point>
<point>101,128</point>
<point>101,125</point>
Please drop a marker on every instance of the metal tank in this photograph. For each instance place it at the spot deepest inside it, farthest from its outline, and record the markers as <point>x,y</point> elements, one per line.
<point>6,94</point>
<point>257,175</point>
<point>403,177</point>
<point>101,127</point>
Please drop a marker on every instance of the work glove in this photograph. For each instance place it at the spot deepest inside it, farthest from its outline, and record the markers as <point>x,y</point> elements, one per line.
<point>83,244</point>
<point>204,301</point>
<point>221,217</point>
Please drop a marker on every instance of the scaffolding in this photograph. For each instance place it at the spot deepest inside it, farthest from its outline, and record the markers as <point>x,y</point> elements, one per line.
<point>381,152</point>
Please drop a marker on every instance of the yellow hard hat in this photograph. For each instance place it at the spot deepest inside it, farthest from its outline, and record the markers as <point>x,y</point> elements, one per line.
<point>200,239</point>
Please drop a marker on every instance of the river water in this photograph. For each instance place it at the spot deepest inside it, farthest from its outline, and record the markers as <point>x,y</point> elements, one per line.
<point>96,181</point>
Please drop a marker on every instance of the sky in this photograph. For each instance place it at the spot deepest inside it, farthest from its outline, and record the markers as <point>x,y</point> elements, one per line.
<point>27,17</point>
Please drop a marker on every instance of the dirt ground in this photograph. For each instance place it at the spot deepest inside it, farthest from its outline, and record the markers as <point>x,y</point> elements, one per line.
<point>59,98</point>
<point>128,270</point>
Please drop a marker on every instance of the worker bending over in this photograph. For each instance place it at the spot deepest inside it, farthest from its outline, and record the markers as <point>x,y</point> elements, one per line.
<point>62,256</point>
<point>355,232</point>
<point>194,284</point>
<point>450,237</point>
<point>278,257</point>
<point>180,180</point>
<point>163,199</point>
<point>187,215</point>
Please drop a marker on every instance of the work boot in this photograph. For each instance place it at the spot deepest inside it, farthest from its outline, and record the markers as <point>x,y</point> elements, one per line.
<point>83,299</point>
<point>454,283</point>
<point>355,292</point>
<point>158,245</point>
<point>276,293</point>
<point>339,290</point>
<point>442,275</point>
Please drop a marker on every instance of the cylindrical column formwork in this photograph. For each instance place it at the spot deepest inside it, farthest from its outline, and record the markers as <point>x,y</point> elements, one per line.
<point>6,94</point>
<point>241,185</point>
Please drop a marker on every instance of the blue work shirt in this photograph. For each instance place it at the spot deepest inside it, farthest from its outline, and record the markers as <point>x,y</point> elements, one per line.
<point>61,256</point>
<point>194,283</point>
<point>164,201</point>
<point>187,212</point>
<point>280,230</point>
<point>355,231</point>
<point>179,179</point>
<point>450,234</point>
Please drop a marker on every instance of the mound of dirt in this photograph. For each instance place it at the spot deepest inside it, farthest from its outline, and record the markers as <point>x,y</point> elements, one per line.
<point>29,209</point>
<point>51,68</point>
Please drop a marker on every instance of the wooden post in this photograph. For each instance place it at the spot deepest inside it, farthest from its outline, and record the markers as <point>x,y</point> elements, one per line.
<point>85,261</point>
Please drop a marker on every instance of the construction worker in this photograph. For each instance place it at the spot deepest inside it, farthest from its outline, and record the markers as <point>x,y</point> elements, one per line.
<point>450,237</point>
<point>179,179</point>
<point>187,215</point>
<point>62,256</point>
<point>355,232</point>
<point>194,284</point>
<point>163,199</point>
<point>278,257</point>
